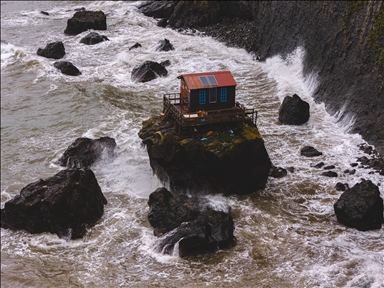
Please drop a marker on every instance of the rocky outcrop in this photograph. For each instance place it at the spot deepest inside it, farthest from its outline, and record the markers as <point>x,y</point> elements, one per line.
<point>228,160</point>
<point>85,152</point>
<point>148,71</point>
<point>66,204</point>
<point>53,50</point>
<point>360,207</point>
<point>194,226</point>
<point>67,68</point>
<point>293,111</point>
<point>343,41</point>
<point>85,20</point>
<point>93,38</point>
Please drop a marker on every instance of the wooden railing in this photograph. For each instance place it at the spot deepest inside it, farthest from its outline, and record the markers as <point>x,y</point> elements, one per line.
<point>172,108</point>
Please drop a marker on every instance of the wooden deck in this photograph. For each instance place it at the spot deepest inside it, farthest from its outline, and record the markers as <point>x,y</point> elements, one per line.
<point>172,108</point>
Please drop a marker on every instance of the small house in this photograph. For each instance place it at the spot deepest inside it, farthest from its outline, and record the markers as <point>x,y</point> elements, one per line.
<point>207,91</point>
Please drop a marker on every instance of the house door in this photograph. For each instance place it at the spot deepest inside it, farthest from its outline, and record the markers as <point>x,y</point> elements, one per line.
<point>212,95</point>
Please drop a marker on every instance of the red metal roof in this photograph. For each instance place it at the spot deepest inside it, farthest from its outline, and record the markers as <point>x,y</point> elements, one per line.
<point>223,79</point>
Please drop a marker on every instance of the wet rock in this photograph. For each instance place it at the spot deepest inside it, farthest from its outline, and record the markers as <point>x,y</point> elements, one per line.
<point>164,45</point>
<point>341,187</point>
<point>186,221</point>
<point>67,68</point>
<point>45,13</point>
<point>360,207</point>
<point>136,45</point>
<point>309,151</point>
<point>319,165</point>
<point>148,71</point>
<point>291,169</point>
<point>277,172</point>
<point>66,204</point>
<point>330,174</point>
<point>162,23</point>
<point>227,163</point>
<point>350,171</point>
<point>329,167</point>
<point>293,111</point>
<point>53,50</point>
<point>93,38</point>
<point>85,20</point>
<point>354,164</point>
<point>165,63</point>
<point>85,152</point>
<point>158,9</point>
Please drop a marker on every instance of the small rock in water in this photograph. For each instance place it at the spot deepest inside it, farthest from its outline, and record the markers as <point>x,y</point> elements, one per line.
<point>329,174</point>
<point>329,167</point>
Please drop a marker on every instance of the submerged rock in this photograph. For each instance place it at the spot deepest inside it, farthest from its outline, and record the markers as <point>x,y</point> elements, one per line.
<point>229,160</point>
<point>85,152</point>
<point>93,38</point>
<point>53,50</point>
<point>136,45</point>
<point>293,111</point>
<point>186,221</point>
<point>67,68</point>
<point>360,207</point>
<point>85,20</point>
<point>148,71</point>
<point>66,204</point>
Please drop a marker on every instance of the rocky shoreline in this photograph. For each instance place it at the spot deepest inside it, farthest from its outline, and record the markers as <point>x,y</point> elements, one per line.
<point>349,65</point>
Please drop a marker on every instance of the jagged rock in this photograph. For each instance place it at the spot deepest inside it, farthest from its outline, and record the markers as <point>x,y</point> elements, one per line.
<point>148,71</point>
<point>277,172</point>
<point>330,174</point>
<point>309,151</point>
<point>164,45</point>
<point>66,204</point>
<point>85,152</point>
<point>341,187</point>
<point>67,68</point>
<point>158,9</point>
<point>53,50</point>
<point>93,38</point>
<point>197,228</point>
<point>293,111</point>
<point>227,163</point>
<point>85,20</point>
<point>136,45</point>
<point>360,207</point>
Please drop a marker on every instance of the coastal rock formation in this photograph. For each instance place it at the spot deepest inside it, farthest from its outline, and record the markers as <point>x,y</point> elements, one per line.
<point>148,71</point>
<point>360,207</point>
<point>93,38</point>
<point>67,68</point>
<point>66,204</point>
<point>53,50</point>
<point>164,45</point>
<point>85,20</point>
<point>293,111</point>
<point>196,227</point>
<point>343,42</point>
<point>228,160</point>
<point>85,152</point>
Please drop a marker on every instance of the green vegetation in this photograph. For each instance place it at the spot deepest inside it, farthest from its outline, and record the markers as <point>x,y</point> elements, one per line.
<point>376,37</point>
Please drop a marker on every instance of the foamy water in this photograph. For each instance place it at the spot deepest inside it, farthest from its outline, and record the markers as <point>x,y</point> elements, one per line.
<point>288,235</point>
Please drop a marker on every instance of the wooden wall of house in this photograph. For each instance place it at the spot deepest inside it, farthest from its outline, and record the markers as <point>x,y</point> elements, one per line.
<point>194,100</point>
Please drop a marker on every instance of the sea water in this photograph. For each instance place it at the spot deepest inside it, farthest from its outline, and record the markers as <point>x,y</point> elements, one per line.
<point>287,234</point>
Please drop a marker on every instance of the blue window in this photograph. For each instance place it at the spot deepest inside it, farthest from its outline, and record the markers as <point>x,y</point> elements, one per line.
<point>202,97</point>
<point>223,95</point>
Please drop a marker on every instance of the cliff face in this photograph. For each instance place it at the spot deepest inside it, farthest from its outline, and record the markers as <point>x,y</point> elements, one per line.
<point>344,43</point>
